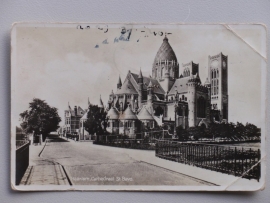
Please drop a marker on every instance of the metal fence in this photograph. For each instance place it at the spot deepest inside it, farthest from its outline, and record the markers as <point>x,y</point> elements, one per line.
<point>128,143</point>
<point>236,161</point>
<point>22,161</point>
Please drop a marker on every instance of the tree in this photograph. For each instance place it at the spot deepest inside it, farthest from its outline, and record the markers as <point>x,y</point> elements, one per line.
<point>252,130</point>
<point>182,133</point>
<point>96,121</point>
<point>40,118</point>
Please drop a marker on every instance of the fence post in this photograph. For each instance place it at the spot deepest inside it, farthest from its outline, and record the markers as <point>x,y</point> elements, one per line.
<point>214,157</point>
<point>235,153</point>
<point>259,166</point>
<point>242,159</point>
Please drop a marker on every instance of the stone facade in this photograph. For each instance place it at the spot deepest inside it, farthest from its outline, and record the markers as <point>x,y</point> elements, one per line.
<point>165,97</point>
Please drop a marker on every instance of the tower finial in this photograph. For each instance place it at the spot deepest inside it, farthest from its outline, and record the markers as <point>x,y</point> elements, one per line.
<point>150,84</point>
<point>89,102</point>
<point>165,37</point>
<point>119,84</point>
<point>140,74</point>
<point>100,103</point>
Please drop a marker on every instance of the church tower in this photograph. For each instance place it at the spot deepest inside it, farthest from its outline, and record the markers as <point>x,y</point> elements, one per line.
<point>218,74</point>
<point>140,83</point>
<point>165,67</point>
<point>191,96</point>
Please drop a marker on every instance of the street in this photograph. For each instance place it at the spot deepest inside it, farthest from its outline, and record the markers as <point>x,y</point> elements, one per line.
<point>87,164</point>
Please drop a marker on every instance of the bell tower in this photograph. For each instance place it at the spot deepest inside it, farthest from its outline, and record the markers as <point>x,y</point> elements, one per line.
<point>218,74</point>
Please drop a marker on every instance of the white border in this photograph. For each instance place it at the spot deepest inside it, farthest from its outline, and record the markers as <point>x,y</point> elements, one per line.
<point>233,187</point>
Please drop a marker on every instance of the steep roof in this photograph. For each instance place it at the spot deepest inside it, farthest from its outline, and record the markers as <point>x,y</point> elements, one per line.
<point>100,105</point>
<point>145,115</point>
<point>84,117</point>
<point>127,88</point>
<point>119,81</point>
<point>79,110</point>
<point>157,89</point>
<point>113,113</point>
<point>180,84</point>
<point>128,115</point>
<point>165,52</point>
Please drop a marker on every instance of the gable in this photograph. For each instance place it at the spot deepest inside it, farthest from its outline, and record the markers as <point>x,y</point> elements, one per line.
<point>127,88</point>
<point>157,89</point>
<point>180,85</point>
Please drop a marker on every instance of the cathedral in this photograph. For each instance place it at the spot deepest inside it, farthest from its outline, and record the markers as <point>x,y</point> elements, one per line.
<point>171,96</point>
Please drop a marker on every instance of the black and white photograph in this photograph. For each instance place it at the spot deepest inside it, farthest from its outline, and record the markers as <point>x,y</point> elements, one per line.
<point>138,107</point>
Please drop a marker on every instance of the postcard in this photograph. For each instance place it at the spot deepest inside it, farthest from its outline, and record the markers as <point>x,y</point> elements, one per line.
<point>138,107</point>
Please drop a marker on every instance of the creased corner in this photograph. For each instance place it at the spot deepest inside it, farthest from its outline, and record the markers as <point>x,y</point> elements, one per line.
<point>235,33</point>
<point>246,172</point>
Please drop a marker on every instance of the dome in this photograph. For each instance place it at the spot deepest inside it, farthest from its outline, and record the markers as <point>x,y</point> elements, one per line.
<point>128,115</point>
<point>113,113</point>
<point>165,52</point>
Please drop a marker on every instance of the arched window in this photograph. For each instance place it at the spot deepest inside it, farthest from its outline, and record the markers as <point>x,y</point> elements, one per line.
<point>217,87</point>
<point>214,87</point>
<point>159,111</point>
<point>162,70</point>
<point>179,111</point>
<point>214,73</point>
<point>186,111</point>
<point>217,73</point>
<point>201,107</point>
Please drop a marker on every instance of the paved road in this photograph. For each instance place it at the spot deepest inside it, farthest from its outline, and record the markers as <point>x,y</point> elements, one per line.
<point>89,164</point>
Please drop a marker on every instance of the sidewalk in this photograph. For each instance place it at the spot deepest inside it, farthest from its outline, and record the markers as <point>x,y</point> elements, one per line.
<point>41,171</point>
<point>217,178</point>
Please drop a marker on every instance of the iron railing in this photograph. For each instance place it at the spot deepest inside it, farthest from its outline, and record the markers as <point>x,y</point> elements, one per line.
<point>237,161</point>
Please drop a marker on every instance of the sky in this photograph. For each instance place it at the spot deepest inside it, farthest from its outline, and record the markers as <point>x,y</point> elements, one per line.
<point>59,63</point>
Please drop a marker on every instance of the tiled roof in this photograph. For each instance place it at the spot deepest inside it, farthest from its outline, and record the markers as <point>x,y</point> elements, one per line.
<point>145,115</point>
<point>157,89</point>
<point>165,52</point>
<point>113,113</point>
<point>127,88</point>
<point>79,110</point>
<point>181,86</point>
<point>128,115</point>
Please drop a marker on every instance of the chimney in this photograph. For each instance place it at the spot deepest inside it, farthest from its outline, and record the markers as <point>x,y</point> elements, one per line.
<point>75,110</point>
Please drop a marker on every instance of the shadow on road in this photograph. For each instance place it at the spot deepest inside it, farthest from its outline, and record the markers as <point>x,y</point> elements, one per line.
<point>56,138</point>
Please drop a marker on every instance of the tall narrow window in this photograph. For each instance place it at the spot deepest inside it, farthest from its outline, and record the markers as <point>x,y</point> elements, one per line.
<point>201,105</point>
<point>217,86</point>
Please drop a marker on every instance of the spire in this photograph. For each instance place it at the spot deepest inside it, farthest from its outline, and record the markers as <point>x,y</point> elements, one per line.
<point>119,84</point>
<point>140,77</point>
<point>100,105</point>
<point>69,106</point>
<point>89,104</point>
<point>165,38</point>
<point>150,84</point>
<point>140,74</point>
